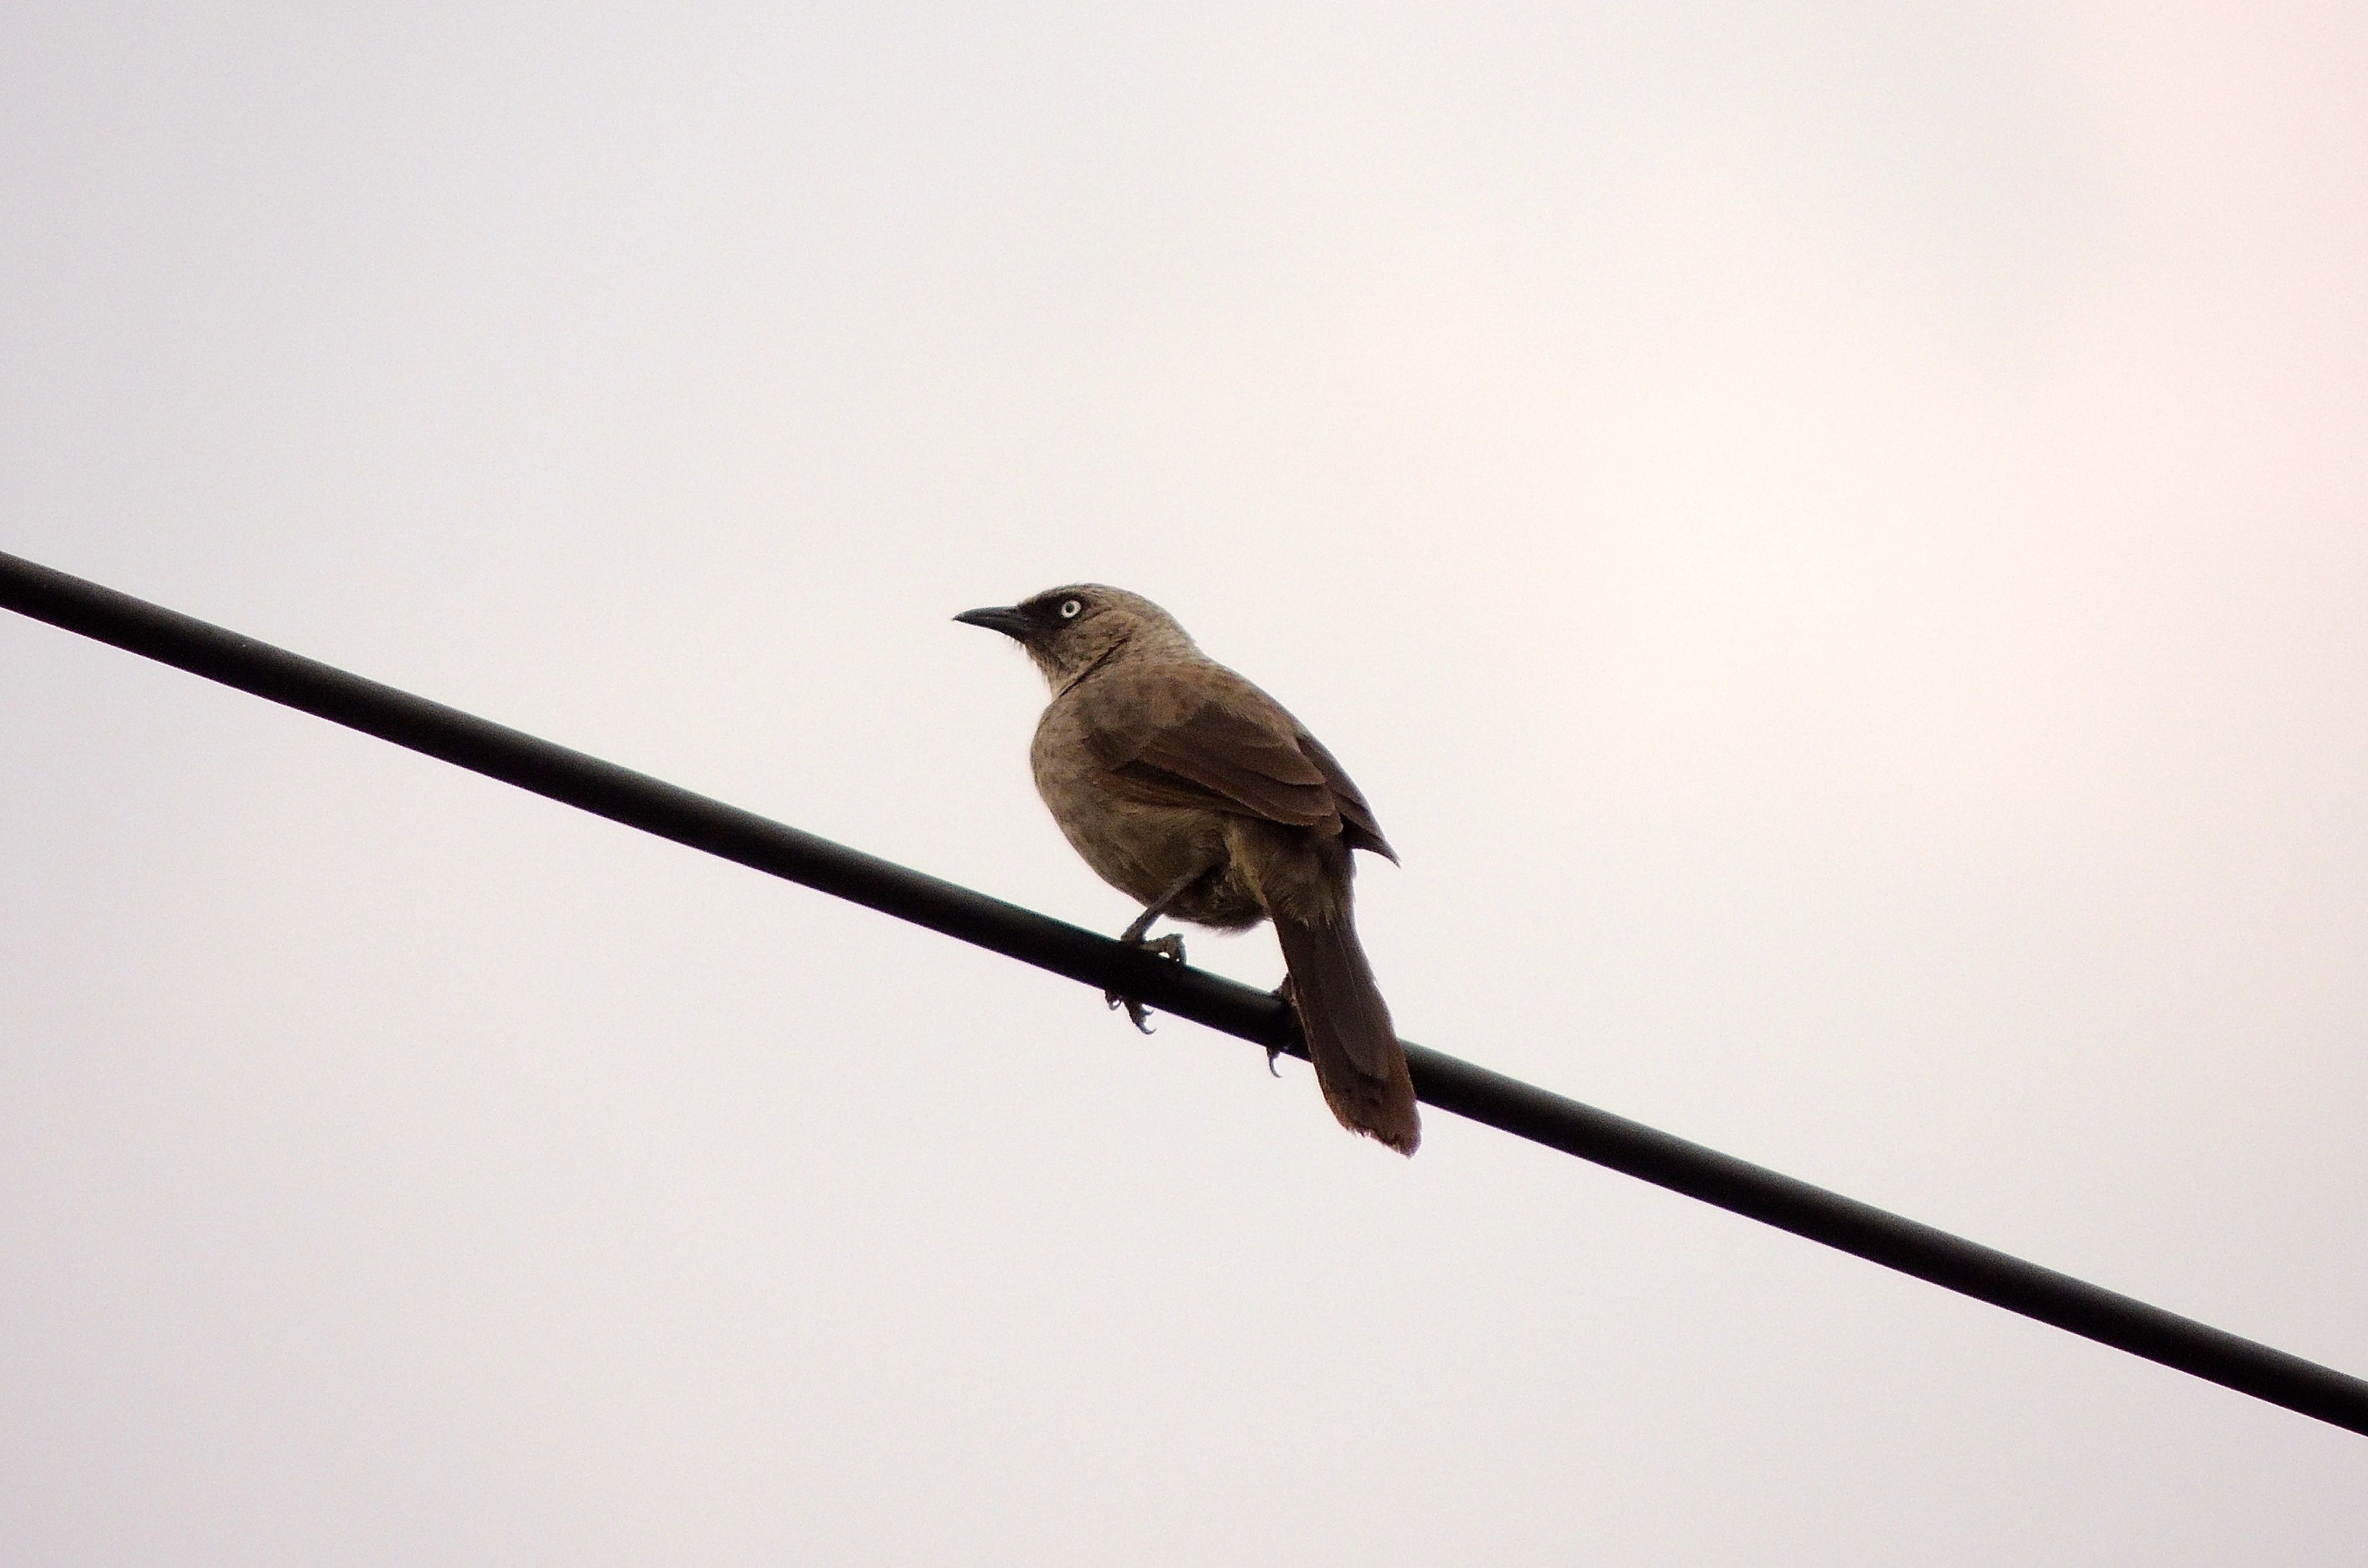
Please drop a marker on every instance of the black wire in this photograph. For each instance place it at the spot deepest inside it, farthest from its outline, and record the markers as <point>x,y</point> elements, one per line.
<point>654,806</point>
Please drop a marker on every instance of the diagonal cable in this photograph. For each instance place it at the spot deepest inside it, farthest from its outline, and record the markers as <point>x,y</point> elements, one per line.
<point>654,806</point>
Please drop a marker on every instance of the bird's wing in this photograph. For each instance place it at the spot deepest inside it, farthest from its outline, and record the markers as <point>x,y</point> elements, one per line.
<point>1199,735</point>
<point>1358,826</point>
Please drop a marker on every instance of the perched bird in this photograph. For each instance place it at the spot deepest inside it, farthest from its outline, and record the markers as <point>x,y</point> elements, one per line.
<point>1189,789</point>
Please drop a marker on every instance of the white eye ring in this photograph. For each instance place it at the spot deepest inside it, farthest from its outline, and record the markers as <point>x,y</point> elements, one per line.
<point>1070,609</point>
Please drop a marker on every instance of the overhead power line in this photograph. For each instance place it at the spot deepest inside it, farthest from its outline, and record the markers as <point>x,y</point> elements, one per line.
<point>650,804</point>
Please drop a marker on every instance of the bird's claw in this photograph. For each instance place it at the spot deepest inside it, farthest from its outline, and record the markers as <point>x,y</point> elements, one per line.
<point>1273,1051</point>
<point>1136,1014</point>
<point>1171,946</point>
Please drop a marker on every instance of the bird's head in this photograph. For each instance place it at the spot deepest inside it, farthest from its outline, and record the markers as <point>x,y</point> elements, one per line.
<point>1070,631</point>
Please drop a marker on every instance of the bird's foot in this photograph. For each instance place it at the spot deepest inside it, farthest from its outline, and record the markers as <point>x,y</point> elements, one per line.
<point>1171,946</point>
<point>1288,994</point>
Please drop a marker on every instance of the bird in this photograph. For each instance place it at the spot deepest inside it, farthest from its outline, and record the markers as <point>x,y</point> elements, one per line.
<point>1196,795</point>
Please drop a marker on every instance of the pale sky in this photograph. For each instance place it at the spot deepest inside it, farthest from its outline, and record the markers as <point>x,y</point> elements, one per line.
<point>1835,540</point>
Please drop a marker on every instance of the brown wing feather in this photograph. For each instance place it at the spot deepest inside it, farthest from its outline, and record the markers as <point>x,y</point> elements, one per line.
<point>1203,736</point>
<point>1359,829</point>
<point>1249,768</point>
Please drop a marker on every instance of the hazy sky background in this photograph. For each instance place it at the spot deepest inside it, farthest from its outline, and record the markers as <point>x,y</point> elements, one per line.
<point>1835,537</point>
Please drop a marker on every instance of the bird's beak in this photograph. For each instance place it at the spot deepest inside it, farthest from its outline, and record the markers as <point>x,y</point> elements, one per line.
<point>1008,620</point>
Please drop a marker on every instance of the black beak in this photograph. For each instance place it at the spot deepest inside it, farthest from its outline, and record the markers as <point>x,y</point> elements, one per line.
<point>1011,622</point>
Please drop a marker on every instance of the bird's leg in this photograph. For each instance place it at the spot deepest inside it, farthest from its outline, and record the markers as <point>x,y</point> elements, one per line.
<point>1171,946</point>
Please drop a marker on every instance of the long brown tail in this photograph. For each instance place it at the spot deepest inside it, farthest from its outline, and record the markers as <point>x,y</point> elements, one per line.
<point>1358,1064</point>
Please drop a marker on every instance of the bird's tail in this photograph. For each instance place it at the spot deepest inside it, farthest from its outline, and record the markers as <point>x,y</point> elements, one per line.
<point>1358,1064</point>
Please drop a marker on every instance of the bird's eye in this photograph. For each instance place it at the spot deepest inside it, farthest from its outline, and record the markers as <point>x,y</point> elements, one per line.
<point>1070,609</point>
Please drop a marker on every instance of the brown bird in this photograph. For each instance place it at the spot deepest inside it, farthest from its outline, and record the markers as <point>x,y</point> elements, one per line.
<point>1189,788</point>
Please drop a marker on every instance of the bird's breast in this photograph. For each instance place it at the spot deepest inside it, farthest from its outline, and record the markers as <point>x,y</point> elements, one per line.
<point>1141,849</point>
